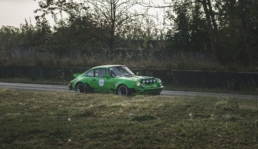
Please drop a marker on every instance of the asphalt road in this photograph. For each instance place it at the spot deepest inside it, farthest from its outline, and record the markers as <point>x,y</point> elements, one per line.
<point>64,88</point>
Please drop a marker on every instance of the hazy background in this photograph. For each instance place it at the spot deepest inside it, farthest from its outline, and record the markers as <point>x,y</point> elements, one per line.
<point>14,12</point>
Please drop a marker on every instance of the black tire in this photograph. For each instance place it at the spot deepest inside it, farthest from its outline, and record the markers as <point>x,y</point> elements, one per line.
<point>123,90</point>
<point>81,88</point>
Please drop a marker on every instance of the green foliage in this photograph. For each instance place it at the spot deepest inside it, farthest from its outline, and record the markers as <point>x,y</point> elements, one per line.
<point>226,28</point>
<point>189,32</point>
<point>29,35</point>
<point>91,24</point>
<point>9,36</point>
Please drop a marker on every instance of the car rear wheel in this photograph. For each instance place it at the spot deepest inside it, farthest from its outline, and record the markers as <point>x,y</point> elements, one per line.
<point>123,90</point>
<point>81,88</point>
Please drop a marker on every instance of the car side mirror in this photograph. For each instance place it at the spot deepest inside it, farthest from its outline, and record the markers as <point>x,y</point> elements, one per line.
<point>106,76</point>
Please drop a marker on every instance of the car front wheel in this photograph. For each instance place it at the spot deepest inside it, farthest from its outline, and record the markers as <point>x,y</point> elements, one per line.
<point>81,88</point>
<point>123,90</point>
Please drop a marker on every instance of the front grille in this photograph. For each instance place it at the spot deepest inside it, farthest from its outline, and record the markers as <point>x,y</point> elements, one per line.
<point>148,81</point>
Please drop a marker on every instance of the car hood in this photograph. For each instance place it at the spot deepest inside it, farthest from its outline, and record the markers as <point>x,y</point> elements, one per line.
<point>76,75</point>
<point>134,78</point>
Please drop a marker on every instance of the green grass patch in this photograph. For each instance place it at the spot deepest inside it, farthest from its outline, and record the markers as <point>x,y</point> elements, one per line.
<point>70,120</point>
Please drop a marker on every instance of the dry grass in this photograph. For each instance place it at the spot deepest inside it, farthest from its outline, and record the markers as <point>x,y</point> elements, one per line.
<point>180,61</point>
<point>66,120</point>
<point>149,62</point>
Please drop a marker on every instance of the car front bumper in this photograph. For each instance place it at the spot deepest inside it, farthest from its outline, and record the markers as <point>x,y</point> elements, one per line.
<point>70,86</point>
<point>141,91</point>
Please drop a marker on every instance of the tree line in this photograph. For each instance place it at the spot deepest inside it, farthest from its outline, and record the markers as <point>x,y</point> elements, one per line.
<point>226,28</point>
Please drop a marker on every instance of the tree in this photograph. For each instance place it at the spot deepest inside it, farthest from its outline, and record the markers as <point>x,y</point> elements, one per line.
<point>189,31</point>
<point>42,33</point>
<point>237,21</point>
<point>212,27</point>
<point>73,27</point>
<point>180,40</point>
<point>115,16</point>
<point>9,37</point>
<point>27,34</point>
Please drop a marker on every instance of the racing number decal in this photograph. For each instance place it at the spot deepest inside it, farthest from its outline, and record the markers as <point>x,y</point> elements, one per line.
<point>101,82</point>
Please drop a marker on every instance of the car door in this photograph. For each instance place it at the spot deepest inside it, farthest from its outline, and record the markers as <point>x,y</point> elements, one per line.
<point>102,82</point>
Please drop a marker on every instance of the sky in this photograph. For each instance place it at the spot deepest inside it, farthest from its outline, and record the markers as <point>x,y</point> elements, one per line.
<point>14,12</point>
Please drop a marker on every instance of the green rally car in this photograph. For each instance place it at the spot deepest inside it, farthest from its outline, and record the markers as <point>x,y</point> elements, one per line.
<point>116,79</point>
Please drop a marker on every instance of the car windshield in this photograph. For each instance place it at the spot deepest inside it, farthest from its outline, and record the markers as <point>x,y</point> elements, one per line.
<point>120,71</point>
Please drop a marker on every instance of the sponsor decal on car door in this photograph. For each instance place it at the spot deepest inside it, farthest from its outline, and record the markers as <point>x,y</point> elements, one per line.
<point>100,82</point>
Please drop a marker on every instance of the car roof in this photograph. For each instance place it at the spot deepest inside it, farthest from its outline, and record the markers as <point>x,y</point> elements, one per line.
<point>106,66</point>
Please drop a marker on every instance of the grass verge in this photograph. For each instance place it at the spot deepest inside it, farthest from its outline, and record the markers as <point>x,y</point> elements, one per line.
<point>213,90</point>
<point>70,120</point>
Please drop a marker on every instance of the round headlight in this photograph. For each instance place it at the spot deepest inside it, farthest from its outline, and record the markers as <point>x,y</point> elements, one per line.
<point>159,81</point>
<point>138,83</point>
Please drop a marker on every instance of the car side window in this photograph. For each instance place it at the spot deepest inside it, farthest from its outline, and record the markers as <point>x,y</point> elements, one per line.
<point>112,72</point>
<point>90,73</point>
<point>100,72</point>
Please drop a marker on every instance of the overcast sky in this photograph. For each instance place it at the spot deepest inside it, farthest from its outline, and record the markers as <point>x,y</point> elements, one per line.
<point>14,12</point>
